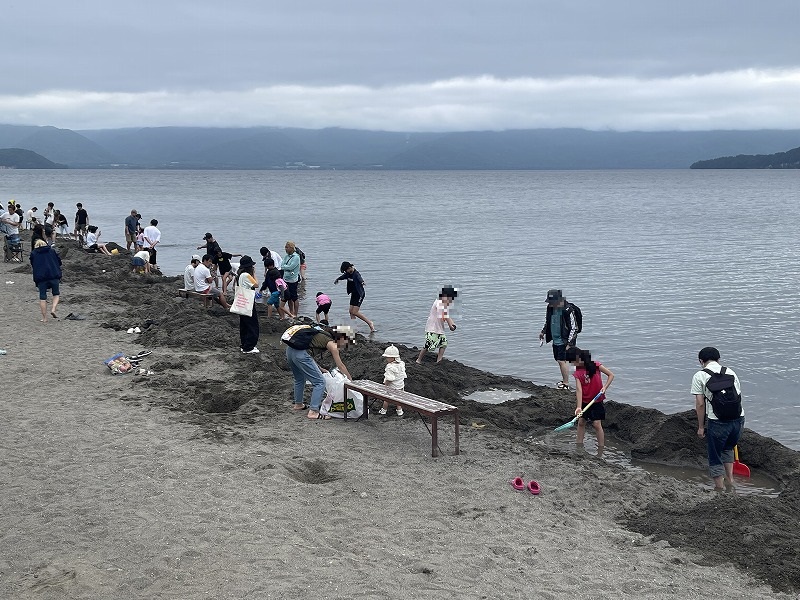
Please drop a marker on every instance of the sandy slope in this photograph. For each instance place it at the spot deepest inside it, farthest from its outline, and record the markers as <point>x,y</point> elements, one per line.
<point>198,482</point>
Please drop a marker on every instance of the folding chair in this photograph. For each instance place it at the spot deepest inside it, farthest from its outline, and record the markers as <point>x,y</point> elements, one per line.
<point>12,250</point>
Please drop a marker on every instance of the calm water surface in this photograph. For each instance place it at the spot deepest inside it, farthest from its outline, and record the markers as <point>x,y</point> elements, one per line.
<point>662,263</point>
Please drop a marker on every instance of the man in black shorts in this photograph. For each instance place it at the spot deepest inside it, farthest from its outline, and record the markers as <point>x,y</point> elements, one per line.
<point>561,328</point>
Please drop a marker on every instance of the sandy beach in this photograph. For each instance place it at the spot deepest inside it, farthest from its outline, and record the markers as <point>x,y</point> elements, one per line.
<point>200,482</point>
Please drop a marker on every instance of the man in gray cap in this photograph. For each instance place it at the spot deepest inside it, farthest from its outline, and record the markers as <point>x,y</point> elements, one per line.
<point>561,326</point>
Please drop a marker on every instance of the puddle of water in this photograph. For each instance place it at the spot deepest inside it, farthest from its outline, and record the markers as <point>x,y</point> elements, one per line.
<point>497,395</point>
<point>755,485</point>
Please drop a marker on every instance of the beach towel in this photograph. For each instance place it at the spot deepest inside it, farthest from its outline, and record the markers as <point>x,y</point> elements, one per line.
<point>119,364</point>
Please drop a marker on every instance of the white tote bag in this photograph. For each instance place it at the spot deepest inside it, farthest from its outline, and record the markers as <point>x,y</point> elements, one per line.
<point>243,301</point>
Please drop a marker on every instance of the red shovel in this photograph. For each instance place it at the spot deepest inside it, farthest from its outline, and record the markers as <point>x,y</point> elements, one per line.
<point>739,468</point>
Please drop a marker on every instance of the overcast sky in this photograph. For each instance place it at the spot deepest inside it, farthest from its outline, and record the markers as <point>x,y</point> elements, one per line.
<point>433,65</point>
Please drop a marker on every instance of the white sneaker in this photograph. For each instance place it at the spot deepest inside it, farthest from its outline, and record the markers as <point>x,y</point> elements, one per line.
<point>400,412</point>
<point>253,351</point>
<point>382,411</point>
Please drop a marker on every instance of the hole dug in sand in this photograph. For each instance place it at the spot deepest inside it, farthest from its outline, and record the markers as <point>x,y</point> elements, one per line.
<point>311,471</point>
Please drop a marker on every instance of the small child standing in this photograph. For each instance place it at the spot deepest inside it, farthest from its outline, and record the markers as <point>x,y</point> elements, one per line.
<point>394,375</point>
<point>323,307</point>
<point>589,383</point>
<point>276,300</point>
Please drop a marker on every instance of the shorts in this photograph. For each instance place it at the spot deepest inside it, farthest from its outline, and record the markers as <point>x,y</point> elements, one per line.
<point>45,285</point>
<point>596,412</point>
<point>274,298</point>
<point>560,352</point>
<point>137,262</point>
<point>92,248</point>
<point>324,308</point>
<point>721,437</point>
<point>130,237</point>
<point>225,268</point>
<point>291,291</point>
<point>356,299</point>
<point>435,340</point>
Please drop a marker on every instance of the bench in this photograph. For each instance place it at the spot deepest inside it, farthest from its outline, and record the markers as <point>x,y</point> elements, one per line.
<point>424,406</point>
<point>206,299</point>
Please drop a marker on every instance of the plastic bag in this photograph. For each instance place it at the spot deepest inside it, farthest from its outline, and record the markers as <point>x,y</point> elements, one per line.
<point>333,404</point>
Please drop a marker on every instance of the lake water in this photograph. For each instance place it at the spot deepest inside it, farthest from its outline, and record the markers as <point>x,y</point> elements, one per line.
<point>661,263</point>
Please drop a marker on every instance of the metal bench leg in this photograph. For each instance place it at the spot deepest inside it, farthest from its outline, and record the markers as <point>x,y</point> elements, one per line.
<point>457,422</point>
<point>434,434</point>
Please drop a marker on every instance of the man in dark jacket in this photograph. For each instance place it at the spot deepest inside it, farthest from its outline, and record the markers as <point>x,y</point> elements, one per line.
<point>561,328</point>
<point>46,264</point>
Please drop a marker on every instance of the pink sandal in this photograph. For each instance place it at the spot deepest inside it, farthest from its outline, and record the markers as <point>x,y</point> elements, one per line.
<point>534,488</point>
<point>517,483</point>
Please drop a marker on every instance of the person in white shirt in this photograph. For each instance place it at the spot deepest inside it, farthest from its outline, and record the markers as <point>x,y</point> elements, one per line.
<point>188,273</point>
<point>92,243</point>
<point>30,217</point>
<point>203,282</point>
<point>152,237</point>
<point>10,220</point>
<point>140,262</point>
<point>721,431</point>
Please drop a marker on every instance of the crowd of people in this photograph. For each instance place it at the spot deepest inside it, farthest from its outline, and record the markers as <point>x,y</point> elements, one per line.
<point>716,388</point>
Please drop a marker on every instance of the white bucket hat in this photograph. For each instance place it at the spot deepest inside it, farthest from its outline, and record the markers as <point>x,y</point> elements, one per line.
<point>391,352</point>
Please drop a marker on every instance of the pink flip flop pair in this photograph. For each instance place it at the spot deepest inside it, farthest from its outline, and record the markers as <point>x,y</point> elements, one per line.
<point>533,486</point>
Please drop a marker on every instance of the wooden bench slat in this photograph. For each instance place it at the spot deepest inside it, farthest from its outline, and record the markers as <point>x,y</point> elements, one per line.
<point>390,394</point>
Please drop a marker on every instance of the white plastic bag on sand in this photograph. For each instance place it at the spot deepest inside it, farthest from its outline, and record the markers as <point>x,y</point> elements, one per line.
<point>333,403</point>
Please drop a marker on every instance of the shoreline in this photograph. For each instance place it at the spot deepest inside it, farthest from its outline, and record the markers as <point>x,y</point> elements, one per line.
<point>231,425</point>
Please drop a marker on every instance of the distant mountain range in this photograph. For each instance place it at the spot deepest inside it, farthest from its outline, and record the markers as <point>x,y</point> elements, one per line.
<point>291,148</point>
<point>779,160</point>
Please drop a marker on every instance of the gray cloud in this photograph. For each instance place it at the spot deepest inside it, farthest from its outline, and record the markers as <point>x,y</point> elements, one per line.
<point>388,65</point>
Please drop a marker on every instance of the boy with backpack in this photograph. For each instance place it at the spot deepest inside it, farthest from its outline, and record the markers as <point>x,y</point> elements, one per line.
<point>562,324</point>
<point>718,387</point>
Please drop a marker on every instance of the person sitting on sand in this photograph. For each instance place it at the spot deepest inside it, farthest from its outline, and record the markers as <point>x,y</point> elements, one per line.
<point>323,307</point>
<point>46,266</point>
<point>203,282</point>
<point>140,262</point>
<point>92,243</point>
<point>355,287</point>
<point>434,327</point>
<point>394,376</point>
<point>305,368</point>
<point>589,383</point>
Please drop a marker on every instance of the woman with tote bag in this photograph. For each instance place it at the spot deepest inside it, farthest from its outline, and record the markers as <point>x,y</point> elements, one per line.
<point>244,305</point>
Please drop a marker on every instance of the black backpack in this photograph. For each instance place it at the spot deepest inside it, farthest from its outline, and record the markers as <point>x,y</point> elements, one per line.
<point>725,401</point>
<point>299,336</point>
<point>578,316</point>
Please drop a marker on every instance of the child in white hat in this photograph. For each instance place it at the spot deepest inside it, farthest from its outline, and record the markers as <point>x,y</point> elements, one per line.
<point>394,376</point>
